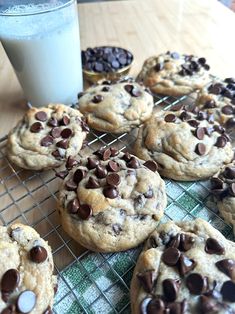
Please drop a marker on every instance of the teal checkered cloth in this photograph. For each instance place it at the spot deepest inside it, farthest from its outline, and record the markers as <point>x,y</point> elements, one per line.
<point>99,283</point>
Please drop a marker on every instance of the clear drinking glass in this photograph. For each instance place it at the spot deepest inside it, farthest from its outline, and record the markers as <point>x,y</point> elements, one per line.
<point>41,39</point>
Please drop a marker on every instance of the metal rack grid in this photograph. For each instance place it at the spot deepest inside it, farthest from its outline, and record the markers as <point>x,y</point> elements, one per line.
<point>93,282</point>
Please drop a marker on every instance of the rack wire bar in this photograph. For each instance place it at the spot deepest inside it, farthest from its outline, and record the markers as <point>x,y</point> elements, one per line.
<point>93,282</point>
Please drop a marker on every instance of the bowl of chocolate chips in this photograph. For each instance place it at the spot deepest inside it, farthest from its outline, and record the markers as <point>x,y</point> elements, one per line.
<point>106,62</point>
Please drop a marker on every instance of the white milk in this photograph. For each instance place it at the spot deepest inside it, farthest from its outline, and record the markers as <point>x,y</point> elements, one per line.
<point>45,54</point>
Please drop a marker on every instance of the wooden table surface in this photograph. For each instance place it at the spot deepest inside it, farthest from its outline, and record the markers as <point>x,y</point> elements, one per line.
<point>146,28</point>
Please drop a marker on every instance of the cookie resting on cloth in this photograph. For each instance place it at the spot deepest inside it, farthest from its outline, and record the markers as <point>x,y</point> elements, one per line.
<point>185,268</point>
<point>27,283</point>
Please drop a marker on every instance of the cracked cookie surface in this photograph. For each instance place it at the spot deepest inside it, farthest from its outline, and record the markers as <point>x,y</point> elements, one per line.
<point>117,107</point>
<point>185,268</point>
<point>27,283</point>
<point>111,201</point>
<point>186,146</point>
<point>219,99</point>
<point>223,186</point>
<point>46,136</point>
<point>174,74</point>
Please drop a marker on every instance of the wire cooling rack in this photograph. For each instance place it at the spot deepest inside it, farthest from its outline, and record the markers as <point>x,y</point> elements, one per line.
<point>93,282</point>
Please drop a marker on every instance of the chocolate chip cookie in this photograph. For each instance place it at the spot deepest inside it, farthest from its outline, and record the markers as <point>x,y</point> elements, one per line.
<point>46,136</point>
<point>187,146</point>
<point>219,99</point>
<point>223,187</point>
<point>174,74</point>
<point>111,201</point>
<point>26,280</point>
<point>117,107</point>
<point>186,267</point>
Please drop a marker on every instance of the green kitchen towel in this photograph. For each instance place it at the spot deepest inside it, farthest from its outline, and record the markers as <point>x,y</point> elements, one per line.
<point>99,283</point>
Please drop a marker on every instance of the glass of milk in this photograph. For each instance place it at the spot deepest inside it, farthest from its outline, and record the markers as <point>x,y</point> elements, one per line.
<point>41,39</point>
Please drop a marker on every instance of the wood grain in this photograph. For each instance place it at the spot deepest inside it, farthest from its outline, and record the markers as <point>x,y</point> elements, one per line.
<point>146,28</point>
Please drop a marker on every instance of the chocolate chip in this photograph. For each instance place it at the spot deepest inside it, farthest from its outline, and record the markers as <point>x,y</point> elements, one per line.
<point>101,172</point>
<point>202,115</point>
<point>92,163</point>
<point>53,122</point>
<point>152,165</point>
<point>221,141</point>
<point>38,254</point>
<point>208,305</point>
<point>55,132</point>
<point>92,183</point>
<point>126,156</point>
<point>170,118</point>
<point>73,206</point>
<point>158,67</point>
<point>217,184</point>
<point>171,256</point>
<point>113,179</point>
<point>202,60</point>
<point>48,311</point>
<point>65,120</point>
<point>66,133</point>
<point>133,163</point>
<point>114,152</point>
<point>212,246</point>
<point>117,228</point>
<point>209,104</point>
<point>200,149</point>
<point>144,305</point>
<point>79,174</point>
<point>155,306</point>
<point>85,211</point>
<point>36,127</point>
<point>228,291</point>
<point>71,162</point>
<point>186,242</point>
<point>174,242</point>
<point>227,266</point>
<point>79,95</point>
<point>230,123</point>
<point>196,283</point>
<point>199,133</point>
<point>228,110</point>
<point>193,123</point>
<point>149,193</point>
<point>110,192</point>
<point>136,92</point>
<point>41,116</point>
<point>230,80</point>
<point>71,185</point>
<point>175,308</point>
<point>5,296</point>
<point>229,173</point>
<point>171,289</point>
<point>185,264</point>
<point>146,279</point>
<point>105,89</point>
<point>219,129</point>
<point>113,166</point>
<point>10,280</point>
<point>97,99</point>
<point>215,89</point>
<point>9,310</point>
<point>63,144</point>
<point>184,116</point>
<point>47,141</point>
<point>106,154</point>
<point>26,301</point>
<point>56,154</point>
<point>128,88</point>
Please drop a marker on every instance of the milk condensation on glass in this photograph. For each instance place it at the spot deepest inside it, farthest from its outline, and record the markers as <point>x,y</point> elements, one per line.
<point>44,50</point>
